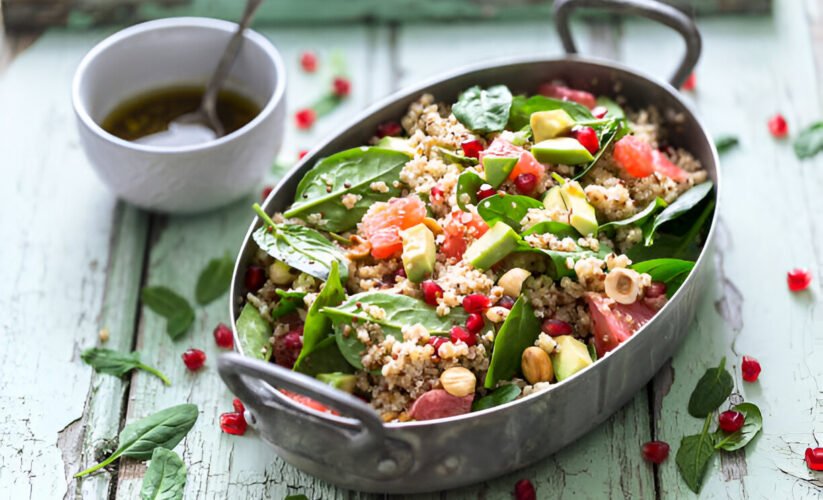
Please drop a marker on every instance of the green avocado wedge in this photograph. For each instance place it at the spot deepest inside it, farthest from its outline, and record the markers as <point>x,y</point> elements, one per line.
<point>561,151</point>
<point>496,170</point>
<point>497,243</point>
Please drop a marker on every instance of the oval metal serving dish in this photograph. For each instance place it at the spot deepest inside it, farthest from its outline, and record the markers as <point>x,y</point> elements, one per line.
<point>359,451</point>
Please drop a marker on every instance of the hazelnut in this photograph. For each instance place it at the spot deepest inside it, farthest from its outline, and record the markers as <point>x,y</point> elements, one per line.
<point>622,285</point>
<point>458,381</point>
<point>536,365</point>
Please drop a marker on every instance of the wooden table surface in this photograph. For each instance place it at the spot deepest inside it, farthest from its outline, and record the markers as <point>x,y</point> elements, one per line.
<point>73,260</point>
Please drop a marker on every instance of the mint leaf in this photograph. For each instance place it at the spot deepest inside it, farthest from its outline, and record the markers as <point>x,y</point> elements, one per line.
<point>116,363</point>
<point>177,311</point>
<point>809,141</point>
<point>693,455</point>
<point>165,477</point>
<point>711,390</point>
<point>214,280</point>
<point>742,436</point>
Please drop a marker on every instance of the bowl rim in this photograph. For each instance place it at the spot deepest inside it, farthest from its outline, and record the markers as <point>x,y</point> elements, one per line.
<point>216,25</point>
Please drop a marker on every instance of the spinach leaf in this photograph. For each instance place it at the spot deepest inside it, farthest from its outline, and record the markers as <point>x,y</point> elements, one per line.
<point>325,357</point>
<point>499,396</point>
<point>592,351</point>
<point>163,429</point>
<point>254,333</point>
<point>669,245</point>
<point>711,390</point>
<point>519,331</point>
<point>289,302</point>
<point>317,325</point>
<point>522,108</point>
<point>165,476</point>
<point>614,109</point>
<point>638,219</point>
<point>117,363</point>
<point>214,280</point>
<point>468,183</point>
<point>177,311</point>
<point>559,229</point>
<point>741,437</point>
<point>678,207</point>
<point>348,172</point>
<point>457,159</point>
<point>693,455</point>
<point>809,141</point>
<point>725,143</point>
<point>484,110</point>
<point>672,272</point>
<point>613,131</point>
<point>558,259</point>
<point>508,208</point>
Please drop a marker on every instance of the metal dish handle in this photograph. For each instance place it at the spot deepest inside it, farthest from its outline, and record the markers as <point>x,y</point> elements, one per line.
<point>656,11</point>
<point>234,367</point>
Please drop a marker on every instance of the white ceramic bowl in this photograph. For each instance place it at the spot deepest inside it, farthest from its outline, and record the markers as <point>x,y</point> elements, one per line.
<point>169,52</point>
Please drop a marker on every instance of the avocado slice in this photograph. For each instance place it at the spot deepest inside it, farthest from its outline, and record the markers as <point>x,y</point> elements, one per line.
<point>570,357</point>
<point>497,170</point>
<point>418,252</point>
<point>497,243</point>
<point>554,199</point>
<point>395,144</point>
<point>342,381</point>
<point>550,124</point>
<point>582,216</point>
<point>561,150</point>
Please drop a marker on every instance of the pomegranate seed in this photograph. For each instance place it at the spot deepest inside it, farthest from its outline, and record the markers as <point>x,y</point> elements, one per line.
<point>524,490</point>
<point>437,194</point>
<point>799,279</point>
<point>506,301</point>
<point>814,458</point>
<point>655,451</point>
<point>389,129</point>
<point>458,334</point>
<point>525,183</point>
<point>750,369</point>
<point>730,420</point>
<point>341,86</point>
<point>485,191</point>
<point>472,148</point>
<point>474,323</point>
<point>194,359</point>
<point>293,340</point>
<point>233,423</point>
<point>437,342</point>
<point>431,292</point>
<point>305,118</point>
<point>476,303</point>
<point>301,154</point>
<point>266,192</point>
<point>600,111</point>
<point>587,137</point>
<point>656,289</point>
<point>238,406</point>
<point>308,60</point>
<point>777,126</point>
<point>254,278</point>
<point>555,327</point>
<point>691,83</point>
<point>400,273</point>
<point>223,336</point>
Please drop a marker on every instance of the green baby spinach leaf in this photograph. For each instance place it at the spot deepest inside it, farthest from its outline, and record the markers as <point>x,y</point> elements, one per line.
<point>165,476</point>
<point>163,429</point>
<point>177,311</point>
<point>457,159</point>
<point>613,109</point>
<point>672,272</point>
<point>484,110</point>
<point>638,219</point>
<point>352,171</point>
<point>325,357</point>
<point>809,141</point>
<point>519,331</point>
<point>508,208</point>
<point>611,132</point>
<point>468,183</point>
<point>317,325</point>
<point>751,426</point>
<point>725,143</point>
<point>678,207</point>
<point>289,302</point>
<point>522,108</point>
<point>559,229</point>
<point>693,455</point>
<point>254,333</point>
<point>499,396</point>
<point>117,363</point>
<point>558,259</point>
<point>214,280</point>
<point>711,390</point>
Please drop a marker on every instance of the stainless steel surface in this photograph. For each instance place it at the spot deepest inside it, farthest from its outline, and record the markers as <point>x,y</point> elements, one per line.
<point>434,455</point>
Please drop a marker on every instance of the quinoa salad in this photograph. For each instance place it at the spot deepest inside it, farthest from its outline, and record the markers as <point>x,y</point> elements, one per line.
<point>476,252</point>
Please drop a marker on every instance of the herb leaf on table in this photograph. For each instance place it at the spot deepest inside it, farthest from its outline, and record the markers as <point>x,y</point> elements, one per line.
<point>165,302</point>
<point>509,208</point>
<point>484,110</point>
<point>214,280</point>
<point>317,325</point>
<point>712,389</point>
<point>254,332</point>
<point>519,331</point>
<point>693,455</point>
<point>809,141</point>
<point>499,396</point>
<point>725,143</point>
<point>165,476</point>
<point>117,363</point>
<point>741,437</point>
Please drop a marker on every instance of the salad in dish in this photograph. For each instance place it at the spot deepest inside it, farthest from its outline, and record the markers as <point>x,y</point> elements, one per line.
<point>476,252</point>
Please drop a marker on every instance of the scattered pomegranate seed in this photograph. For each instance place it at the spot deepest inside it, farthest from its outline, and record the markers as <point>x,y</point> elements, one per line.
<point>437,342</point>
<point>254,278</point>
<point>525,183</point>
<point>731,420</point>
<point>476,303</point>
<point>341,86</point>
<point>690,83</point>
<point>474,323</point>
<point>389,129</point>
<point>587,137</point>
<point>655,451</point>
<point>431,292</point>
<point>233,423</point>
<point>506,301</point>
<point>194,359</point>
<point>266,192</point>
<point>457,334</point>
<point>799,279</point>
<point>555,327</point>
<point>750,368</point>
<point>485,191</point>
<point>524,490</point>
<point>472,148</point>
<point>305,118</point>
<point>301,154</point>
<point>814,458</point>
<point>436,194</point>
<point>600,111</point>
<point>656,289</point>
<point>238,406</point>
<point>223,336</point>
<point>308,60</point>
<point>777,126</point>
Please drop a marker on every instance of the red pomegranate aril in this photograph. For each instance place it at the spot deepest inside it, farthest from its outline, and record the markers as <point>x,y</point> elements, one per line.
<point>474,323</point>
<point>777,126</point>
<point>690,83</point>
<point>293,340</point>
<point>301,154</point>
<point>254,278</point>
<point>798,279</point>
<point>389,129</point>
<point>305,118</point>
<point>476,303</point>
<point>223,336</point>
<point>436,194</point>
<point>656,289</point>
<point>814,458</point>
<point>600,111</point>
<point>525,183</point>
<point>431,292</point>
<point>238,406</point>
<point>655,451</point>
<point>459,334</point>
<point>556,327</point>
<point>506,301</point>
<point>436,342</point>
<point>524,490</point>
<point>485,191</point>
<point>750,369</point>
<point>472,148</point>
<point>587,137</point>
<point>308,60</point>
<point>341,87</point>
<point>266,192</point>
<point>194,359</point>
<point>233,423</point>
<point>731,420</point>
